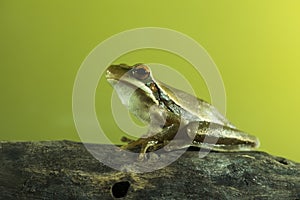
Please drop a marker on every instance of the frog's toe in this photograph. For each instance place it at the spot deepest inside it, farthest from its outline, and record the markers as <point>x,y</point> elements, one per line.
<point>126,139</point>
<point>141,156</point>
<point>124,147</point>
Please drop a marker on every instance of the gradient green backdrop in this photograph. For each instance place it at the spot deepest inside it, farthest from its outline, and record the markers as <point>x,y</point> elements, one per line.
<point>255,44</point>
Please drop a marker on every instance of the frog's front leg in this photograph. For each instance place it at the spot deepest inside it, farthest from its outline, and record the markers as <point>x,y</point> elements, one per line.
<point>144,144</point>
<point>154,142</point>
<point>213,136</point>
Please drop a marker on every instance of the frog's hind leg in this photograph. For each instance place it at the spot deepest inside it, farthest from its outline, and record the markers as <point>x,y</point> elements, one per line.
<point>217,137</point>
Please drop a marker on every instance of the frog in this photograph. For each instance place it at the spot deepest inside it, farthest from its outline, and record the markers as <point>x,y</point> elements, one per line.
<point>176,119</point>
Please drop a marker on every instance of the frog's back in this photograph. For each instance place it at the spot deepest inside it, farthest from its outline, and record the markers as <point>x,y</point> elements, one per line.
<point>195,109</point>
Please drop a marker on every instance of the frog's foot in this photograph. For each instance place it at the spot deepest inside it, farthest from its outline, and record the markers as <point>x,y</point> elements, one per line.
<point>143,143</point>
<point>145,147</point>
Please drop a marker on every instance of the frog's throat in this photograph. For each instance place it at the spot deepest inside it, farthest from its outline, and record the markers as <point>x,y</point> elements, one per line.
<point>125,89</point>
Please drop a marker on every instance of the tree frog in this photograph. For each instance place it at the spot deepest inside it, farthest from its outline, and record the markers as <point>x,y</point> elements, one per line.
<point>176,119</point>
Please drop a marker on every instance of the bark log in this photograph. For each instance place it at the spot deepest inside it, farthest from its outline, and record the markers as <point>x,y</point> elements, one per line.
<point>66,170</point>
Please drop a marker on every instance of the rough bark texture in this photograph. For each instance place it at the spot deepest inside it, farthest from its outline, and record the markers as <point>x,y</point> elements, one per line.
<point>66,170</point>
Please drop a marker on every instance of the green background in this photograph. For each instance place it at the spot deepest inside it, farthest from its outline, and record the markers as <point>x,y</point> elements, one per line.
<point>255,45</point>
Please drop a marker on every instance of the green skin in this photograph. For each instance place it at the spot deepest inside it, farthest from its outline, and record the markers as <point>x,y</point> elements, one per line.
<point>177,119</point>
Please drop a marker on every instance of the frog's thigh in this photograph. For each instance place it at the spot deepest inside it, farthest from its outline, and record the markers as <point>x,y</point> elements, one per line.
<point>183,141</point>
<point>196,133</point>
<point>197,128</point>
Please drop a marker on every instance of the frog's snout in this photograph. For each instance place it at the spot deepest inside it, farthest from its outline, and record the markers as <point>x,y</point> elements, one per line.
<point>111,72</point>
<point>107,73</point>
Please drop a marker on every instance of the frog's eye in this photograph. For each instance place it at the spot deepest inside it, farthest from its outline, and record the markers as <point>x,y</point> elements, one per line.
<point>141,72</point>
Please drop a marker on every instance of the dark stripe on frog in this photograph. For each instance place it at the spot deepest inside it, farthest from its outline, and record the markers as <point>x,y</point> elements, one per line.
<point>161,97</point>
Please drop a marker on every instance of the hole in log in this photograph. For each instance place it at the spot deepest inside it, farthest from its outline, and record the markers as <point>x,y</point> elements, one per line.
<point>120,189</point>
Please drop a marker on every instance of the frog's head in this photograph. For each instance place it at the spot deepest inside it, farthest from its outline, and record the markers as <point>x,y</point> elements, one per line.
<point>129,80</point>
<point>135,76</point>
